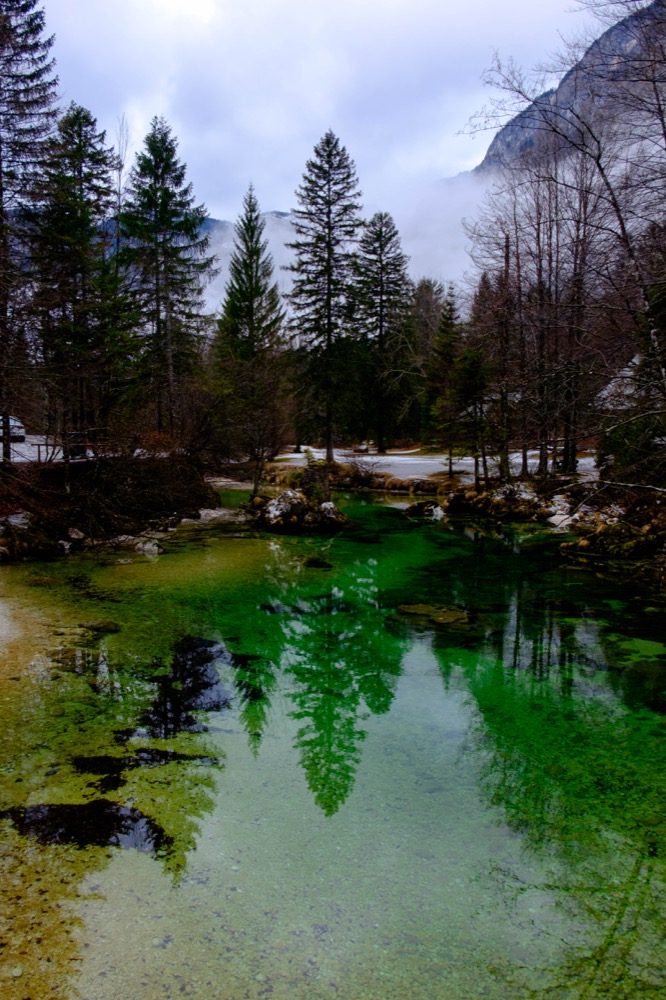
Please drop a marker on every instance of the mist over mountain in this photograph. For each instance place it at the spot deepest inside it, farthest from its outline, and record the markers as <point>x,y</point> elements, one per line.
<point>430,225</point>
<point>279,231</point>
<point>430,220</point>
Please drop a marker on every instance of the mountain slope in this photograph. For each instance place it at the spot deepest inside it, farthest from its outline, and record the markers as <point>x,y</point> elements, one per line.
<point>430,220</point>
<point>618,55</point>
<point>279,231</point>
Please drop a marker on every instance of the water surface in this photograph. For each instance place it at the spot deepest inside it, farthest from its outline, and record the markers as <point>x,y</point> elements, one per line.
<point>246,768</point>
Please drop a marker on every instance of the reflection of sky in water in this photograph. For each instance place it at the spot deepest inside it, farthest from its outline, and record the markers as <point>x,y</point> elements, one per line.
<point>383,808</point>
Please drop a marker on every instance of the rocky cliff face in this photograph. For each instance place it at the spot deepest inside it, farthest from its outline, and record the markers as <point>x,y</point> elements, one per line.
<point>624,55</point>
<point>429,223</point>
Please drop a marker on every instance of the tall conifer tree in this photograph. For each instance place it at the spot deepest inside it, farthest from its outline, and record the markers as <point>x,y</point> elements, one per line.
<point>384,292</point>
<point>252,314</point>
<point>248,341</point>
<point>167,251</point>
<point>69,244</point>
<point>27,102</point>
<point>327,223</point>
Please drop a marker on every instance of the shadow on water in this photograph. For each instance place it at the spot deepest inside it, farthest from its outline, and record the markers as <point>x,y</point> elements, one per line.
<point>189,687</point>
<point>99,823</point>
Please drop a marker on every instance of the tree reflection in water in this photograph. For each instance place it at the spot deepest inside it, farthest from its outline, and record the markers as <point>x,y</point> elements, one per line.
<point>190,685</point>
<point>255,680</point>
<point>342,663</point>
<point>579,775</point>
<point>80,826</point>
<point>569,752</point>
<point>99,823</point>
<point>583,783</point>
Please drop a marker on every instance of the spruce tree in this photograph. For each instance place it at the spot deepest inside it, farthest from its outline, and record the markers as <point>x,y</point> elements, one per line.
<point>252,314</point>
<point>69,242</point>
<point>27,102</point>
<point>327,223</point>
<point>425,310</point>
<point>247,348</point>
<point>384,290</point>
<point>167,252</point>
<point>442,375</point>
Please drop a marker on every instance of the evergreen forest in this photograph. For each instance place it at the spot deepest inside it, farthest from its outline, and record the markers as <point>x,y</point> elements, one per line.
<point>107,346</point>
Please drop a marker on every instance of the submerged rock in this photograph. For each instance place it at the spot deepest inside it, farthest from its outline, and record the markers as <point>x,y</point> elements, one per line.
<point>101,626</point>
<point>316,562</point>
<point>456,617</point>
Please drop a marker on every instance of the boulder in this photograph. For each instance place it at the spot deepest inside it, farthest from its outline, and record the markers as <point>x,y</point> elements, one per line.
<point>428,510</point>
<point>316,562</point>
<point>107,627</point>
<point>292,512</point>
<point>516,502</point>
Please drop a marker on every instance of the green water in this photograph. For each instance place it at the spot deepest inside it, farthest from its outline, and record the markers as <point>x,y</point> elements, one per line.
<point>246,768</point>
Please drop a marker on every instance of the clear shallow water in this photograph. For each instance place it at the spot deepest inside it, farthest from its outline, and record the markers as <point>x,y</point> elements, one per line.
<point>371,805</point>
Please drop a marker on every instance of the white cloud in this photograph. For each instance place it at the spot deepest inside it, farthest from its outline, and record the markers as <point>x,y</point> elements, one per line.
<point>250,88</point>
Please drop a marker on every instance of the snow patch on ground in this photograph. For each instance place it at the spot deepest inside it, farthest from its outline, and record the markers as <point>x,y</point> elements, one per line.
<point>409,464</point>
<point>564,515</point>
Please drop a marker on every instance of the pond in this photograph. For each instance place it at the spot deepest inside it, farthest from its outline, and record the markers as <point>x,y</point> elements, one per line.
<point>411,761</point>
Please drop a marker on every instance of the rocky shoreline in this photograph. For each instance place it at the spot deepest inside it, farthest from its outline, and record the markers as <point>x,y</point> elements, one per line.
<point>49,511</point>
<point>621,529</point>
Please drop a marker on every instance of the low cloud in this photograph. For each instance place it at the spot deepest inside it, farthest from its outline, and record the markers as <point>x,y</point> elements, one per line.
<point>249,94</point>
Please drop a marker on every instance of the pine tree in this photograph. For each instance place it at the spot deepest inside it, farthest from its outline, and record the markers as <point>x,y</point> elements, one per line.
<point>327,223</point>
<point>69,243</point>
<point>252,314</point>
<point>383,289</point>
<point>427,302</point>
<point>249,339</point>
<point>442,374</point>
<point>27,101</point>
<point>166,250</point>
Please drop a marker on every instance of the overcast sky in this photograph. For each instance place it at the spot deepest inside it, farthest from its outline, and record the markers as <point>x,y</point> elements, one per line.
<point>250,86</point>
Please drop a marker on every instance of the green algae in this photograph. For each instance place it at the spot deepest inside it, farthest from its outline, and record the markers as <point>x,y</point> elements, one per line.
<point>353,802</point>
<point>640,649</point>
